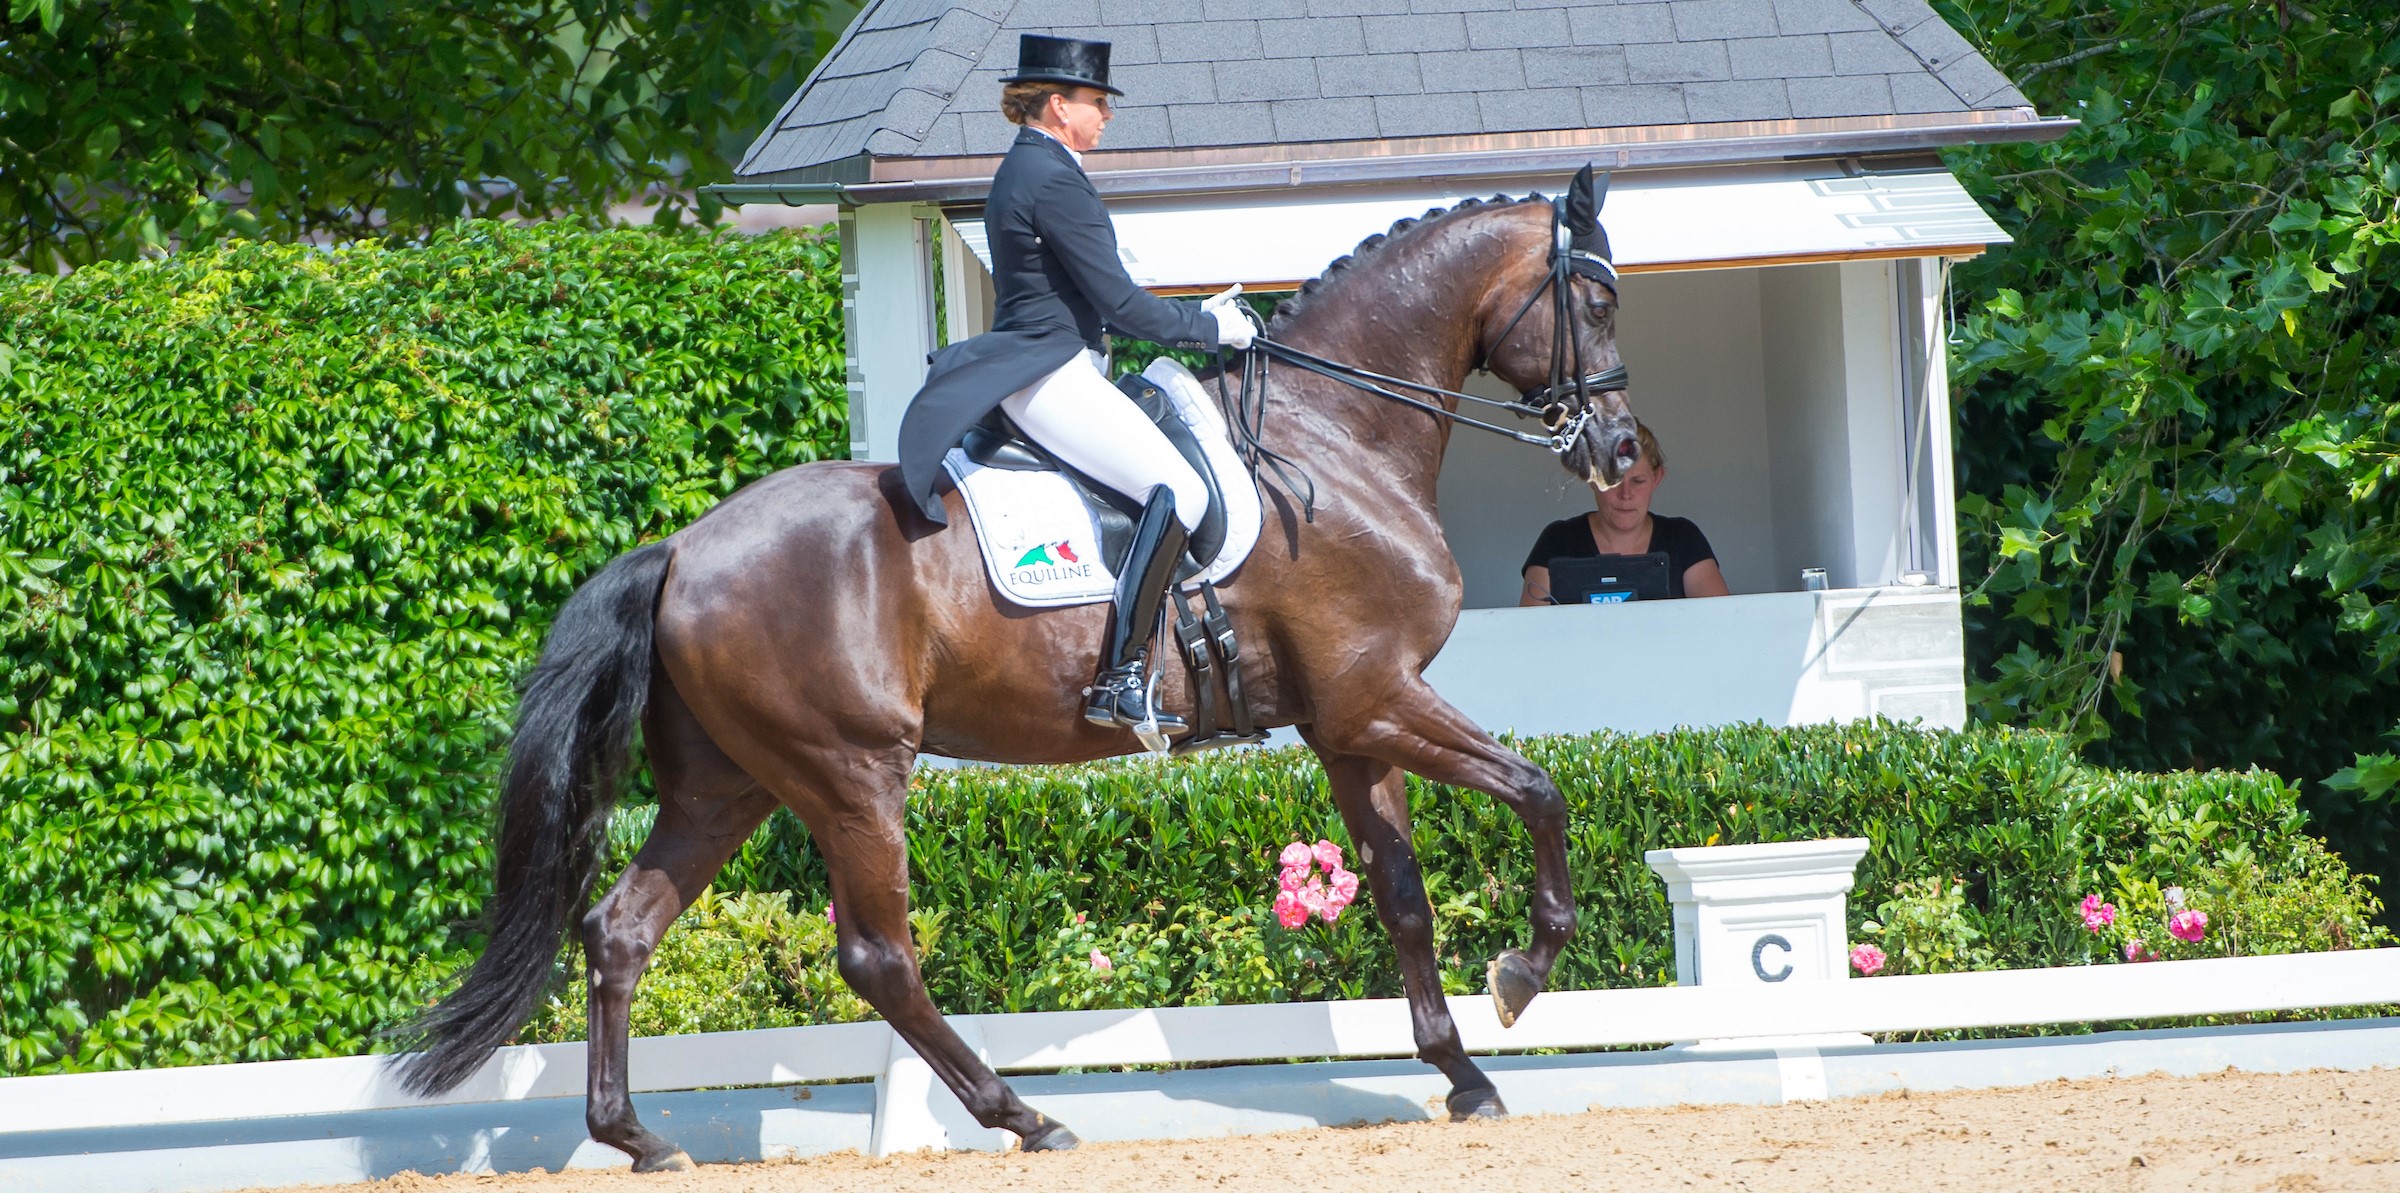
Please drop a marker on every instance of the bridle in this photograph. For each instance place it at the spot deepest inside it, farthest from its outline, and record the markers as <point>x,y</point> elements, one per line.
<point>1566,262</point>
<point>1563,418</point>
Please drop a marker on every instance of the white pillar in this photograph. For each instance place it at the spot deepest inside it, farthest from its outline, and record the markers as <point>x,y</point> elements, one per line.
<point>1928,510</point>
<point>967,296</point>
<point>1762,915</point>
<point>1874,396</point>
<point>1941,463</point>
<point>887,311</point>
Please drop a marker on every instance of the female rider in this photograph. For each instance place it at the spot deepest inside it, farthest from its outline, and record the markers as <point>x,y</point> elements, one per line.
<point>1060,286</point>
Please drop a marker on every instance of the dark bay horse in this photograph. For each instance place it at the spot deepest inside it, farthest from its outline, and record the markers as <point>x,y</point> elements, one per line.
<point>803,641</point>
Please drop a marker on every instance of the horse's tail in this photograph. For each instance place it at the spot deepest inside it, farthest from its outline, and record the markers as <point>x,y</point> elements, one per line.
<point>574,733</point>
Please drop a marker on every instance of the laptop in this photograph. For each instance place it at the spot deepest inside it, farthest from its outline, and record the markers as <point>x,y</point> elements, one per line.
<point>1609,579</point>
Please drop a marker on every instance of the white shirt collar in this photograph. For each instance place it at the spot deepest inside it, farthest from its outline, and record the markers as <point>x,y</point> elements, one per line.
<point>1061,143</point>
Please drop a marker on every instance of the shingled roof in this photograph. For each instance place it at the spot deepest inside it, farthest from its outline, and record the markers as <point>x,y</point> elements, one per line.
<point>911,89</point>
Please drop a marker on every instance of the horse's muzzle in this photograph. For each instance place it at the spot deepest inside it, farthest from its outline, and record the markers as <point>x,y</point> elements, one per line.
<point>1611,446</point>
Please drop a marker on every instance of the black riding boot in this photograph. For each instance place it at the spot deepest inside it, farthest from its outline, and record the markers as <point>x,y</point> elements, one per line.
<point>1120,694</point>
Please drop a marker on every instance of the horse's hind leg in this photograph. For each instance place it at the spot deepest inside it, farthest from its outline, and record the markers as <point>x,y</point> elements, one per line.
<point>866,855</point>
<point>1373,798</point>
<point>707,807</point>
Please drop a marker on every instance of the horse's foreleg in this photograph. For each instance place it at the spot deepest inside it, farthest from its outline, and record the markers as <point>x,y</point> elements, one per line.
<point>1373,798</point>
<point>869,867</point>
<point>707,809</point>
<point>1421,733</point>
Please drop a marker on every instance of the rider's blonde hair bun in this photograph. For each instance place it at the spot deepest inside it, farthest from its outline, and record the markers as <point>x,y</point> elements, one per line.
<point>1023,102</point>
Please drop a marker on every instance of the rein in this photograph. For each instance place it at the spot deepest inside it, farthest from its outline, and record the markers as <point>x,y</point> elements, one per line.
<point>1248,414</point>
<point>1375,383</point>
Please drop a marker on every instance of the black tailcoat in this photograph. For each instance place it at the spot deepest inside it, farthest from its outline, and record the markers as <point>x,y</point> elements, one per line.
<point>1059,285</point>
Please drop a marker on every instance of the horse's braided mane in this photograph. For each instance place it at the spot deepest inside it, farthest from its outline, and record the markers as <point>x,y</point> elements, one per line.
<point>1290,308</point>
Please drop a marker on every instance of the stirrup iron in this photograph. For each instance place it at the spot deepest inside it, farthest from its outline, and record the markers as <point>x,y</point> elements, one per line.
<point>1151,736</point>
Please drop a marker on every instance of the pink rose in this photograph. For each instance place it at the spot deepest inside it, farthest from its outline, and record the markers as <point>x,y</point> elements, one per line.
<point>1312,897</point>
<point>2188,925</point>
<point>1078,917</point>
<point>1334,906</point>
<point>2135,950</point>
<point>1345,884</point>
<point>1293,878</point>
<point>1298,855</point>
<point>1288,911</point>
<point>2097,915</point>
<point>1329,901</point>
<point>1101,962</point>
<point>1328,855</point>
<point>1867,960</point>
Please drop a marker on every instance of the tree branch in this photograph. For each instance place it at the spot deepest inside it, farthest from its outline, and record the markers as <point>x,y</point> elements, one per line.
<point>2205,14</point>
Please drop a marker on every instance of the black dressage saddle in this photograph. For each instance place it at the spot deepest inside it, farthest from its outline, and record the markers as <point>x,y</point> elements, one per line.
<point>1207,641</point>
<point>996,442</point>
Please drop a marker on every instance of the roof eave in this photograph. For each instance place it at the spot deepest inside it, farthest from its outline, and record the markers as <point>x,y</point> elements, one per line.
<point>1280,167</point>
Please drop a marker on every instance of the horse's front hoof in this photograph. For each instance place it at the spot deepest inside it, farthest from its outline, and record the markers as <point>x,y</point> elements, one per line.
<point>1055,1139</point>
<point>674,1159</point>
<point>1513,985</point>
<point>1476,1103</point>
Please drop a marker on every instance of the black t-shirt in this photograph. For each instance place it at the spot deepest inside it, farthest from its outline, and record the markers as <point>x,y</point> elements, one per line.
<point>1571,538</point>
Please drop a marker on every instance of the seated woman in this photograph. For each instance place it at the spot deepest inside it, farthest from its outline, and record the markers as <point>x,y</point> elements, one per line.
<point>1624,525</point>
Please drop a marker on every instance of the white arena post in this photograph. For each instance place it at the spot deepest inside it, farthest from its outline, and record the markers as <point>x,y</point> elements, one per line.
<point>1759,916</point>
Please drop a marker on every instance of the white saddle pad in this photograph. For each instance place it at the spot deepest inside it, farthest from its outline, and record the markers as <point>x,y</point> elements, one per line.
<point>1041,546</point>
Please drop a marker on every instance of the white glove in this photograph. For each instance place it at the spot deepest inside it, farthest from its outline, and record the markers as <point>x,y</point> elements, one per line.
<point>1234,329</point>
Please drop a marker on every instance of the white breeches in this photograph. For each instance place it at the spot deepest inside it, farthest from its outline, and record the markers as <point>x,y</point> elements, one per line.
<point>1082,419</point>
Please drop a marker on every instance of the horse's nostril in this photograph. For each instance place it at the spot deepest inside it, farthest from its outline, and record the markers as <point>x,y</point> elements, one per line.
<point>1627,449</point>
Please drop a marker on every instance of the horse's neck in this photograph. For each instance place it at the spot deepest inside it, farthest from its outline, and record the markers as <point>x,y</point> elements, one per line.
<point>1398,320</point>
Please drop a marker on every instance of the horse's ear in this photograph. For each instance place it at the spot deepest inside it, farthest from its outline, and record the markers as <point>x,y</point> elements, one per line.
<point>1583,210</point>
<point>1582,219</point>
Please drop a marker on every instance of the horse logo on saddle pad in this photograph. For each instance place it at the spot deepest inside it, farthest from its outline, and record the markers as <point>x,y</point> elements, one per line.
<point>1050,538</point>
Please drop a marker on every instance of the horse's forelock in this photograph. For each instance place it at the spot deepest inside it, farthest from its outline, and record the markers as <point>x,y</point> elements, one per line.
<point>1291,308</point>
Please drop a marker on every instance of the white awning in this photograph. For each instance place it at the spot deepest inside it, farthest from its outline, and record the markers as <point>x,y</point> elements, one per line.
<point>1695,219</point>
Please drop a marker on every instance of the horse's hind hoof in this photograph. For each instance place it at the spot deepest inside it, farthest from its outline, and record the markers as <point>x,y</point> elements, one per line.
<point>1476,1103</point>
<point>1513,985</point>
<point>1055,1139</point>
<point>673,1159</point>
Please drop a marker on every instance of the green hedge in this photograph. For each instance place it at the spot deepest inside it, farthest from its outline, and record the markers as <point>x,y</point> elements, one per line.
<point>279,530</point>
<point>1983,843</point>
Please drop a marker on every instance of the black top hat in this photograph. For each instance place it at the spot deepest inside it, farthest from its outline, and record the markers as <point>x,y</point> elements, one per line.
<point>1066,60</point>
